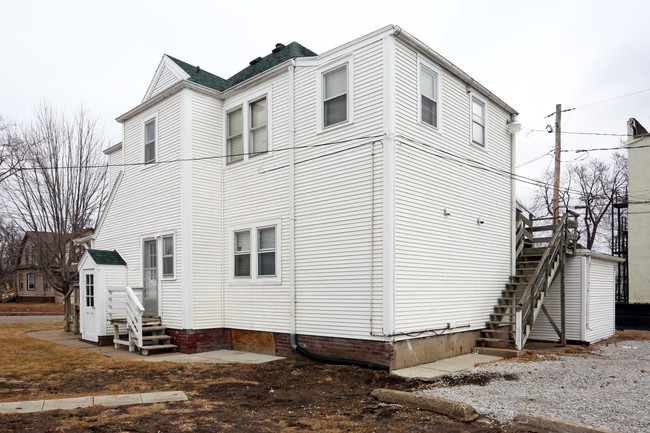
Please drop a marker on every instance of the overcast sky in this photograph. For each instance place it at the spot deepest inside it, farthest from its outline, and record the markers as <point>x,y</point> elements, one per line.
<point>533,55</point>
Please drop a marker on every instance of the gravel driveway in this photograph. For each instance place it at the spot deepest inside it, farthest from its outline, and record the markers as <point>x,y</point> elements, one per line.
<point>609,388</point>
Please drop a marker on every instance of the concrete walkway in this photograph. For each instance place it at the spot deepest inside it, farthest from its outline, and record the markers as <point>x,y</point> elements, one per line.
<point>41,318</point>
<point>99,400</point>
<point>59,336</point>
<point>440,368</point>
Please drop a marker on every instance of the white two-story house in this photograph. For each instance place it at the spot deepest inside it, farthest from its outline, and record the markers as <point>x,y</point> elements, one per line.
<point>357,204</point>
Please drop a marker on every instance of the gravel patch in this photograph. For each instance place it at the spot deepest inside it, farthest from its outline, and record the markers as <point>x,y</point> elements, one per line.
<point>609,388</point>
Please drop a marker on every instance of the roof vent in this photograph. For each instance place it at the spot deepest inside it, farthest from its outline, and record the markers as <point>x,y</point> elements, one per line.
<point>277,48</point>
<point>252,62</point>
<point>198,69</point>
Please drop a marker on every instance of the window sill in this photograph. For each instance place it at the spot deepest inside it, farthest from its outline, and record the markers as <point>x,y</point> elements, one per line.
<point>263,281</point>
<point>326,129</point>
<point>250,160</point>
<point>435,129</point>
<point>148,165</point>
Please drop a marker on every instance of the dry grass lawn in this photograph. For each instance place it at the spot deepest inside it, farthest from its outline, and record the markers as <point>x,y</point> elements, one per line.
<point>25,307</point>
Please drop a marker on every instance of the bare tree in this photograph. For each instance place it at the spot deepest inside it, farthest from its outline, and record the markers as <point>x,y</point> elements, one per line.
<point>58,187</point>
<point>10,237</point>
<point>591,188</point>
<point>11,149</point>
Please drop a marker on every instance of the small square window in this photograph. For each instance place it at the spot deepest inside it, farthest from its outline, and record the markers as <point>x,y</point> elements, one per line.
<point>150,141</point>
<point>335,96</point>
<point>428,96</point>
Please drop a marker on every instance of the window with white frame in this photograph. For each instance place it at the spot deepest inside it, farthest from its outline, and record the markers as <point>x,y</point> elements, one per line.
<point>30,282</point>
<point>150,141</point>
<point>248,128</point>
<point>255,252</point>
<point>242,252</point>
<point>335,96</point>
<point>90,290</point>
<point>478,122</point>
<point>168,256</point>
<point>258,132</point>
<point>266,251</point>
<point>428,96</point>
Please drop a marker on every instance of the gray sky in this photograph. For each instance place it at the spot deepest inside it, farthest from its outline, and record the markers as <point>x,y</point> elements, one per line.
<point>103,54</point>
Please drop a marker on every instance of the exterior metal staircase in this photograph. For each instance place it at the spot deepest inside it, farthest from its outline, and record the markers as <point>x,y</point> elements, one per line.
<point>131,327</point>
<point>541,250</point>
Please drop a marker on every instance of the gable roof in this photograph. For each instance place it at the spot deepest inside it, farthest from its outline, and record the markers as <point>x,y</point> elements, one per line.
<point>279,55</point>
<point>105,257</point>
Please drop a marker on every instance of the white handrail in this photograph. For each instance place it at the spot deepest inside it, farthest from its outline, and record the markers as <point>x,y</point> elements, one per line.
<point>134,313</point>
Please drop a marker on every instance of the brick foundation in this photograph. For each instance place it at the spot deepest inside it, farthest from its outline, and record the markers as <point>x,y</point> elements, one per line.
<point>105,340</point>
<point>200,340</point>
<point>399,354</point>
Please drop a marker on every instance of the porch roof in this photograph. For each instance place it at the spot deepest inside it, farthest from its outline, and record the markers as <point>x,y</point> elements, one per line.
<point>104,257</point>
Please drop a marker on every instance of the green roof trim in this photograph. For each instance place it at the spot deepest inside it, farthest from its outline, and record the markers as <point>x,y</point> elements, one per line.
<point>103,257</point>
<point>207,79</point>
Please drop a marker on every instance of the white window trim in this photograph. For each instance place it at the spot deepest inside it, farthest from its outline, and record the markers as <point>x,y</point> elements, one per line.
<point>254,278</point>
<point>438,71</point>
<point>89,272</point>
<point>244,102</point>
<point>162,250</point>
<point>320,83</point>
<point>146,119</point>
<point>472,96</point>
<point>157,236</point>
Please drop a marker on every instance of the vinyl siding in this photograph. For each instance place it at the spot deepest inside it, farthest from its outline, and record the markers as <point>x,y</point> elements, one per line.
<point>448,268</point>
<point>148,201</point>
<point>114,169</point>
<point>165,80</point>
<point>575,273</point>
<point>600,300</point>
<point>208,246</point>
<point>338,241</point>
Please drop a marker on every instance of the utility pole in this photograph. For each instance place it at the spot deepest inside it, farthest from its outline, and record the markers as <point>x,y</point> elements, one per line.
<point>558,153</point>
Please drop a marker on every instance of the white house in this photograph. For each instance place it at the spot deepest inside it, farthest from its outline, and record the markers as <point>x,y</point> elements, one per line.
<point>357,204</point>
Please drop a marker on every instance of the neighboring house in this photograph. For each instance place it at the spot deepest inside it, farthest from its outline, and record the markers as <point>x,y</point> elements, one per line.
<point>38,250</point>
<point>30,280</point>
<point>357,203</point>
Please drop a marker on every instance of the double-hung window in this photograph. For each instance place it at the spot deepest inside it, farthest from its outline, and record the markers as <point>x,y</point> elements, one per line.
<point>30,282</point>
<point>150,141</point>
<point>478,122</point>
<point>255,252</point>
<point>428,96</point>
<point>248,128</point>
<point>90,290</point>
<point>335,96</point>
<point>168,256</point>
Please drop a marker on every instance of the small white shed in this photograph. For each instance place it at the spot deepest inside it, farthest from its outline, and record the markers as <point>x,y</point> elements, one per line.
<point>97,269</point>
<point>589,290</point>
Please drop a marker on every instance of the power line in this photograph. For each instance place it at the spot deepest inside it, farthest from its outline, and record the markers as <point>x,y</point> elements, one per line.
<point>612,99</point>
<point>605,134</point>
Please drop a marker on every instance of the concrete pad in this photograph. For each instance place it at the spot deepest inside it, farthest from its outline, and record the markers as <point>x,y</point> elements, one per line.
<point>68,403</point>
<point>542,424</point>
<point>53,335</point>
<point>462,362</point>
<point>117,399</point>
<point>22,406</point>
<point>235,356</point>
<point>419,372</point>
<point>174,357</point>
<point>161,397</point>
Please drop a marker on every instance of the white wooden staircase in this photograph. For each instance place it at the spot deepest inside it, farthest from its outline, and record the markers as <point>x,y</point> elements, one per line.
<point>540,259</point>
<point>131,327</point>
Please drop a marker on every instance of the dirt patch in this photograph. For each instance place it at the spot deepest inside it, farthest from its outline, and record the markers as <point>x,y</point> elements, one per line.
<point>293,395</point>
<point>480,379</point>
<point>25,308</point>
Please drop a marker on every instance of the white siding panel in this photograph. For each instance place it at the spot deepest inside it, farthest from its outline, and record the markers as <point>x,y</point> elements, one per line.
<point>165,80</point>
<point>148,201</point>
<point>338,239</point>
<point>574,302</point>
<point>208,247</point>
<point>115,167</point>
<point>449,268</point>
<point>600,300</point>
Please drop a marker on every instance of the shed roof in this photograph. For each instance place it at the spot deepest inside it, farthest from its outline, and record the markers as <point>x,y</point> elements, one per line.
<point>104,257</point>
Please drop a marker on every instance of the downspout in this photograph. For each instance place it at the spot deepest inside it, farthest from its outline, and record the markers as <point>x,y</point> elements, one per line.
<point>292,245</point>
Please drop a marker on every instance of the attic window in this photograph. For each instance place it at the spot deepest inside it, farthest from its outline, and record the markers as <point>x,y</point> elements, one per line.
<point>150,141</point>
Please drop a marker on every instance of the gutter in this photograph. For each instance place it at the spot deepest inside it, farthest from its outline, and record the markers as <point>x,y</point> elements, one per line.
<point>455,70</point>
<point>112,149</point>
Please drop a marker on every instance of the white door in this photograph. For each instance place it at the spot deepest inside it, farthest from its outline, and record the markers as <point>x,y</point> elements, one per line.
<point>87,302</point>
<point>150,278</point>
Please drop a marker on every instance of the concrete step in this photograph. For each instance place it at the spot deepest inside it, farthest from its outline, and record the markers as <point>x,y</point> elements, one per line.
<point>498,351</point>
<point>146,349</point>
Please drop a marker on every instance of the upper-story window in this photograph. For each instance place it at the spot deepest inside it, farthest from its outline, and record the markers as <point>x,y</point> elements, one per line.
<point>478,122</point>
<point>429,100</point>
<point>335,96</point>
<point>150,141</point>
<point>248,128</point>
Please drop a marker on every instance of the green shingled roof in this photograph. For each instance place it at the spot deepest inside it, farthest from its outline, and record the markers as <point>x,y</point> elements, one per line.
<point>212,81</point>
<point>103,257</point>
